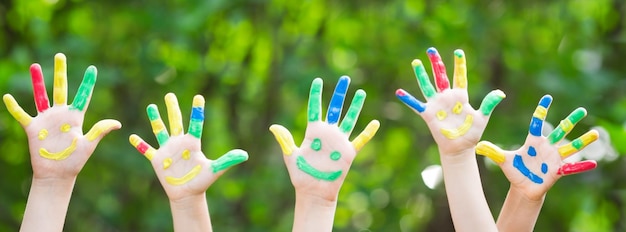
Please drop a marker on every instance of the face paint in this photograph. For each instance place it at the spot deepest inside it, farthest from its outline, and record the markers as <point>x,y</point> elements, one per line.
<point>347,124</point>
<point>43,134</point>
<point>422,79</point>
<point>459,131</point>
<point>315,100</point>
<point>518,163</point>
<point>410,101</point>
<point>186,154</point>
<point>308,169</point>
<point>441,115</point>
<point>316,145</point>
<point>567,125</point>
<point>185,178</point>
<point>335,155</point>
<point>197,117</point>
<point>61,155</point>
<point>229,159</point>
<point>460,69</point>
<point>39,88</point>
<point>536,123</point>
<point>173,114</point>
<point>158,128</point>
<point>336,102</point>
<point>167,162</point>
<point>491,101</point>
<point>85,89</point>
<point>65,127</point>
<point>439,70</point>
<point>60,79</point>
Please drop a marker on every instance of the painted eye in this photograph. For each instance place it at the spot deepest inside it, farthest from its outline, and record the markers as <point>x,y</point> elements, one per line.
<point>458,108</point>
<point>335,155</point>
<point>65,127</point>
<point>316,145</point>
<point>441,115</point>
<point>43,134</point>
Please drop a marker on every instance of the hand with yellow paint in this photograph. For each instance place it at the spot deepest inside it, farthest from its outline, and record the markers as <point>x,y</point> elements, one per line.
<point>180,165</point>
<point>537,165</point>
<point>58,147</point>
<point>319,166</point>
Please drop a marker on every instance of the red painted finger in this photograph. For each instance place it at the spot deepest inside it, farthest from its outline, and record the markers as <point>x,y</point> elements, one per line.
<point>439,70</point>
<point>578,167</point>
<point>39,88</point>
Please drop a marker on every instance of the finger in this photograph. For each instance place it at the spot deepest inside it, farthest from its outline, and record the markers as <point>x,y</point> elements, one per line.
<point>83,95</point>
<point>102,128</point>
<point>315,100</point>
<point>197,117</point>
<point>422,79</point>
<point>491,101</point>
<point>229,159</point>
<point>578,144</point>
<point>39,88</point>
<point>348,122</point>
<point>336,101</point>
<point>567,125</point>
<point>539,116</point>
<point>460,70</point>
<point>158,128</point>
<point>578,167</point>
<point>491,151</point>
<point>439,70</point>
<point>173,114</point>
<point>16,111</point>
<point>141,146</point>
<point>410,101</point>
<point>366,135</point>
<point>284,138</point>
<point>60,79</point>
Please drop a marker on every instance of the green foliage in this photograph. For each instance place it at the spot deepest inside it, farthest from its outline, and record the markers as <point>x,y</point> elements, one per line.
<point>254,61</point>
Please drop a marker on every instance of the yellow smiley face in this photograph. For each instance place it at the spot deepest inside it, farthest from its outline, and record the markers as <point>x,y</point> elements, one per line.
<point>60,155</point>
<point>185,178</point>
<point>460,130</point>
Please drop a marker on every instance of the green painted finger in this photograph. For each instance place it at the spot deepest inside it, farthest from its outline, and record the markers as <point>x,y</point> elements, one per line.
<point>349,120</point>
<point>567,125</point>
<point>85,89</point>
<point>158,128</point>
<point>315,100</point>
<point>422,79</point>
<point>491,101</point>
<point>229,159</point>
<point>197,116</point>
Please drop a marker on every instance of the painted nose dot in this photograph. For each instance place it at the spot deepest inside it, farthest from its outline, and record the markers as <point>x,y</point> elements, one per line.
<point>458,108</point>
<point>441,115</point>
<point>167,162</point>
<point>65,127</point>
<point>532,151</point>
<point>316,145</point>
<point>544,168</point>
<point>335,155</point>
<point>43,133</point>
<point>186,154</point>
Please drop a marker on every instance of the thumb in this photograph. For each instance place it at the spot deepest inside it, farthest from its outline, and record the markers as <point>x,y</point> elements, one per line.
<point>102,128</point>
<point>284,138</point>
<point>231,158</point>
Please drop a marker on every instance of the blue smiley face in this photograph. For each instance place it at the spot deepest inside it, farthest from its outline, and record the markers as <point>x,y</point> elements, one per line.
<point>518,163</point>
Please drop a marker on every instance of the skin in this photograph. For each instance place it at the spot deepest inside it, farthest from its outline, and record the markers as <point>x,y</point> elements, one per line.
<point>526,195</point>
<point>182,168</point>
<point>54,176</point>
<point>468,206</point>
<point>316,195</point>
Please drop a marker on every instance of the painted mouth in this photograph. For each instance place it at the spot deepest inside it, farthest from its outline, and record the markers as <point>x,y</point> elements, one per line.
<point>521,167</point>
<point>61,155</point>
<point>459,131</point>
<point>185,178</point>
<point>307,168</point>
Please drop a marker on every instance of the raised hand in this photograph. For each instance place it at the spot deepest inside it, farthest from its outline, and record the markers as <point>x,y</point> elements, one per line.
<point>319,166</point>
<point>58,148</point>
<point>452,121</point>
<point>538,164</point>
<point>179,163</point>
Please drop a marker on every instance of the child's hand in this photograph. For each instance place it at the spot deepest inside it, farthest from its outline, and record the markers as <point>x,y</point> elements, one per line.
<point>452,121</point>
<point>319,166</point>
<point>58,148</point>
<point>179,163</point>
<point>537,165</point>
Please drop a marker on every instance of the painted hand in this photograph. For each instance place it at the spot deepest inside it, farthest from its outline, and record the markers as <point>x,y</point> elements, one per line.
<point>454,124</point>
<point>319,166</point>
<point>537,165</point>
<point>179,163</point>
<point>58,148</point>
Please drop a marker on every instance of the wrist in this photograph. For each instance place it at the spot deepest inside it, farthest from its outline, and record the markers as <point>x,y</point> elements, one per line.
<point>188,202</point>
<point>520,196</point>
<point>314,200</point>
<point>458,157</point>
<point>57,183</point>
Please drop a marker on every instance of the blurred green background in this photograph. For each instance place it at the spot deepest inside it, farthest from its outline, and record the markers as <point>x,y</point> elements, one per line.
<point>254,62</point>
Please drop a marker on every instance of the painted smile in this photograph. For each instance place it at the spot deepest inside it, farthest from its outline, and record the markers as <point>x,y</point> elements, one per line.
<point>61,155</point>
<point>459,131</point>
<point>519,164</point>
<point>307,168</point>
<point>185,178</point>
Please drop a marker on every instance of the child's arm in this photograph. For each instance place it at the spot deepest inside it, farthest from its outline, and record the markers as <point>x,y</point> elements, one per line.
<point>319,166</point>
<point>536,166</point>
<point>58,148</point>
<point>456,128</point>
<point>183,170</point>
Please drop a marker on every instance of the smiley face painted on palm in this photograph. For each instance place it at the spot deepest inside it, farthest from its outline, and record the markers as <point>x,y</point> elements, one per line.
<point>57,149</point>
<point>323,157</point>
<point>518,163</point>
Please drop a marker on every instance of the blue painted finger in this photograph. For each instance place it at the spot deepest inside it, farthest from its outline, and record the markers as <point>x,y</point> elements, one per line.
<point>410,101</point>
<point>336,102</point>
<point>536,123</point>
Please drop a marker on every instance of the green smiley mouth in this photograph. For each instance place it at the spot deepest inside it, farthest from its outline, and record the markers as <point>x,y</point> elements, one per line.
<point>308,169</point>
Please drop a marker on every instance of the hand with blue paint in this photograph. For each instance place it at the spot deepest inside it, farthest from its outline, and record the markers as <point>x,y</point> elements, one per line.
<point>537,165</point>
<point>58,147</point>
<point>319,166</point>
<point>180,165</point>
<point>456,128</point>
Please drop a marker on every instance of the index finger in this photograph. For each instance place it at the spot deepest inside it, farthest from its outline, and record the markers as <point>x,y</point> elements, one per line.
<point>83,95</point>
<point>539,116</point>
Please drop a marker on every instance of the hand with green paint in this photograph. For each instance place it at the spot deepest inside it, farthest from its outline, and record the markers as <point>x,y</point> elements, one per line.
<point>58,147</point>
<point>536,166</point>
<point>180,165</point>
<point>319,166</point>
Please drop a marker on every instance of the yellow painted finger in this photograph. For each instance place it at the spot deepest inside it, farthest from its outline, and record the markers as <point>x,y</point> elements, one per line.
<point>578,144</point>
<point>101,128</point>
<point>365,136</point>
<point>460,69</point>
<point>173,114</point>
<point>143,147</point>
<point>60,79</point>
<point>284,138</point>
<point>16,111</point>
<point>490,150</point>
